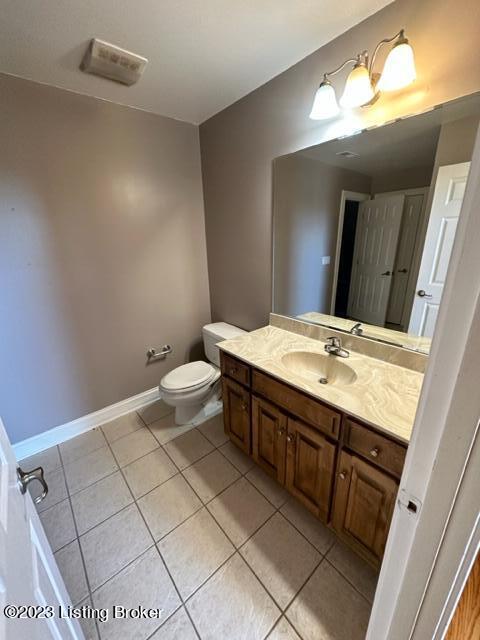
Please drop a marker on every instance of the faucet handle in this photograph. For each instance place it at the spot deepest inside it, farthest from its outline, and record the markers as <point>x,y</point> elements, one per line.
<point>334,341</point>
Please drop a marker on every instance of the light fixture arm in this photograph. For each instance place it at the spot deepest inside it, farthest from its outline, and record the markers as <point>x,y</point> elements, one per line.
<point>338,69</point>
<point>400,35</point>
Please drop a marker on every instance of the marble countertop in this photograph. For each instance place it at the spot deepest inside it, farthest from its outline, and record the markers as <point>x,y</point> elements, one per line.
<point>383,395</point>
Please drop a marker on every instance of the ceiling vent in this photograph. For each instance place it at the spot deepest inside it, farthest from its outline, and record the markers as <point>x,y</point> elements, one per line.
<point>109,61</point>
<point>348,154</point>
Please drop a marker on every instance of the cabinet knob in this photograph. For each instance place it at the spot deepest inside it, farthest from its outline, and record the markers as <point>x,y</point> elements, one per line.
<point>342,475</point>
<point>290,438</point>
<point>280,431</point>
<point>244,406</point>
<point>233,370</point>
<point>374,452</point>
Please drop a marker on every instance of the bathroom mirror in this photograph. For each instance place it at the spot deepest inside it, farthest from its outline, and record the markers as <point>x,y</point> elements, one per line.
<point>364,225</point>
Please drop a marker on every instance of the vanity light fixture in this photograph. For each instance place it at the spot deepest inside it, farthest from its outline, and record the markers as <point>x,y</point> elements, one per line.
<point>362,86</point>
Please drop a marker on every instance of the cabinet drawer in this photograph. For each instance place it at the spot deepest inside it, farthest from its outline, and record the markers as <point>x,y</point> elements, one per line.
<point>378,449</point>
<point>235,369</point>
<point>299,404</point>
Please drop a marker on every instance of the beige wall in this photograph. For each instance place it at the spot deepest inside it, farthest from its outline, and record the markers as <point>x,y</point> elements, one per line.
<point>456,141</point>
<point>102,252</point>
<point>404,179</point>
<point>306,200</point>
<point>239,144</point>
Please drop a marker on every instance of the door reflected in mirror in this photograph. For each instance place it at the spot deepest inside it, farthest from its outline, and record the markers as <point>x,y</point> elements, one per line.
<point>364,226</point>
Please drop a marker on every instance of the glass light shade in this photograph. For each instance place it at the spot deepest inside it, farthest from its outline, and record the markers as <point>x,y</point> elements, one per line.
<point>399,70</point>
<point>325,103</point>
<point>358,88</point>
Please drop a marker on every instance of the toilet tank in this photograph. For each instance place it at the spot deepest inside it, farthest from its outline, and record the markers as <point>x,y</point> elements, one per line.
<point>214,333</point>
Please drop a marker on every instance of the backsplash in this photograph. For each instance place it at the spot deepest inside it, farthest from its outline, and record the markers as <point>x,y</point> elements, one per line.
<point>387,353</point>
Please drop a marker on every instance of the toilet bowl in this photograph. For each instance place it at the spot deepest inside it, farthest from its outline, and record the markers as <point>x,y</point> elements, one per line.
<point>194,389</point>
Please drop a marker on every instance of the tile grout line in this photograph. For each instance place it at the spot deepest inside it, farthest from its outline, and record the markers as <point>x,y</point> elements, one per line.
<point>144,425</point>
<point>87,579</point>
<point>317,564</point>
<point>68,462</point>
<point>243,474</point>
<point>235,549</point>
<point>154,545</point>
<point>322,556</point>
<point>84,533</point>
<point>108,445</point>
<point>277,623</point>
<point>322,559</point>
<point>279,510</point>
<point>149,532</point>
<point>120,469</point>
<point>114,575</point>
<point>349,581</point>
<point>204,504</point>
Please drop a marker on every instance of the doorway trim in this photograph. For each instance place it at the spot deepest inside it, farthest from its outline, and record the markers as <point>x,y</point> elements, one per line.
<point>345,195</point>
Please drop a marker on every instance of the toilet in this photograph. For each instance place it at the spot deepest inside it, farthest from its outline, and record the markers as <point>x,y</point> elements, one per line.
<point>194,388</point>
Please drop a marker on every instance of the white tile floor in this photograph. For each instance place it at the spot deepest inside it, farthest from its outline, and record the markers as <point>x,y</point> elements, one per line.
<point>141,512</point>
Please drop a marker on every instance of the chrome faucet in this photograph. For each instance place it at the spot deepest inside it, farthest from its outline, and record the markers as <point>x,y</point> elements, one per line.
<point>357,330</point>
<point>334,348</point>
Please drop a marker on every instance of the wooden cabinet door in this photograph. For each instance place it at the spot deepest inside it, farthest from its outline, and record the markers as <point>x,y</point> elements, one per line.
<point>364,502</point>
<point>236,413</point>
<point>269,430</point>
<point>310,467</point>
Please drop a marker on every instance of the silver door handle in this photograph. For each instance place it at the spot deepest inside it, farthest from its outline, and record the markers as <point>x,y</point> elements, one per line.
<point>423,294</point>
<point>25,477</point>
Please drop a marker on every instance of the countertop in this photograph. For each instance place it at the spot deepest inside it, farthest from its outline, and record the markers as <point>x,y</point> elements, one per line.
<point>383,395</point>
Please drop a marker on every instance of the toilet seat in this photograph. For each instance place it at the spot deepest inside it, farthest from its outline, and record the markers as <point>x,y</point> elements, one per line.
<point>189,377</point>
<point>195,389</point>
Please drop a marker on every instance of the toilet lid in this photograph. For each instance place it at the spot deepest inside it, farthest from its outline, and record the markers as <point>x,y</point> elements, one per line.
<point>188,375</point>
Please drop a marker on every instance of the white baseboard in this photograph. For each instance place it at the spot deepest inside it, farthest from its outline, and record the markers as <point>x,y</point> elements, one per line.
<point>64,432</point>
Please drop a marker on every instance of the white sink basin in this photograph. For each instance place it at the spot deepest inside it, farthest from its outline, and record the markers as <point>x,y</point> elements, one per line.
<point>316,367</point>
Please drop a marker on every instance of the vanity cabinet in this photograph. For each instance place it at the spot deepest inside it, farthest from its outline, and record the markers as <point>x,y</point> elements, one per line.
<point>269,431</point>
<point>310,467</point>
<point>236,413</point>
<point>344,472</point>
<point>364,502</point>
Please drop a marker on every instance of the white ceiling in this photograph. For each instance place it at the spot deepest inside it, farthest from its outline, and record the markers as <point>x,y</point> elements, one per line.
<point>203,54</point>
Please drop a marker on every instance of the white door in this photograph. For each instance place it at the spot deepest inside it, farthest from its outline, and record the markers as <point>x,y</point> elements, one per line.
<point>442,225</point>
<point>28,572</point>
<point>376,240</point>
<point>412,214</point>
